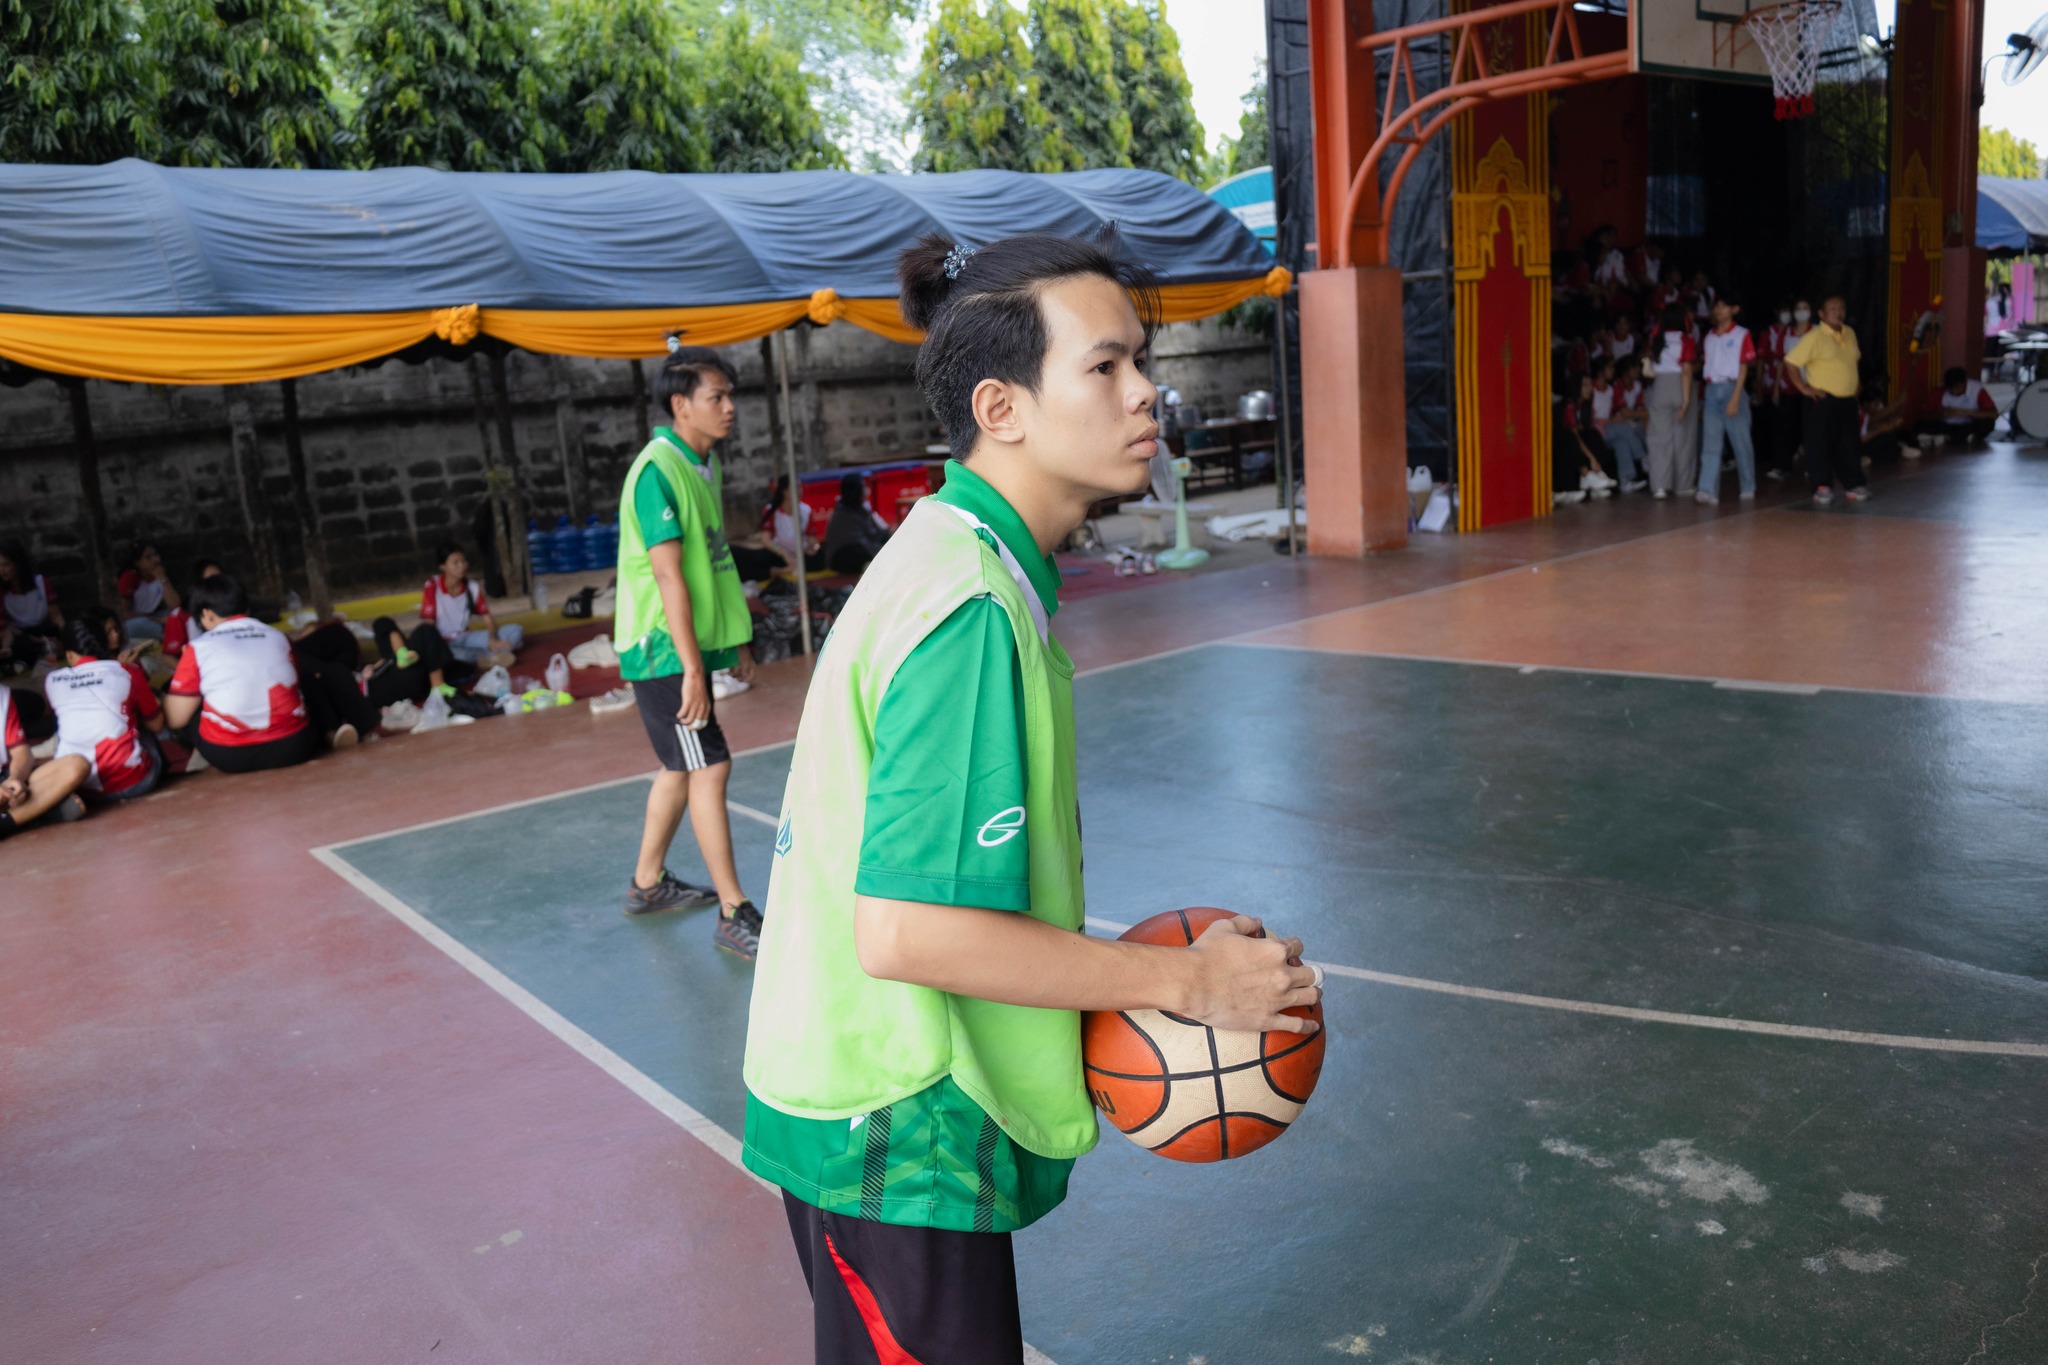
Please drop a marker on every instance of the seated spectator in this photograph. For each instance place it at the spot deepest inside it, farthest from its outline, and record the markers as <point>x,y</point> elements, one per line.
<point>787,524</point>
<point>30,621</point>
<point>106,715</point>
<point>1577,459</point>
<point>178,625</point>
<point>1968,411</point>
<point>855,534</point>
<point>146,594</point>
<point>1617,409</point>
<point>1621,344</point>
<point>239,681</point>
<point>408,669</point>
<point>145,654</point>
<point>454,603</point>
<point>31,790</point>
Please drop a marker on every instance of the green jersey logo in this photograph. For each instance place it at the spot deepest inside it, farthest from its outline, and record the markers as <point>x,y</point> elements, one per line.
<point>1001,827</point>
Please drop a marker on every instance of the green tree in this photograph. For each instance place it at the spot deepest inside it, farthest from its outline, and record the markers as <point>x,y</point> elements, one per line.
<point>850,49</point>
<point>975,101</point>
<point>1077,86</point>
<point>1252,147</point>
<point>757,103</point>
<point>621,94</point>
<point>245,83</point>
<point>2002,153</point>
<point>458,85</point>
<point>1165,134</point>
<point>74,87</point>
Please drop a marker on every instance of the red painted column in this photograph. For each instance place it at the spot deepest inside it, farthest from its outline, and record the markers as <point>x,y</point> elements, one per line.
<point>1500,259</point>
<point>1962,261</point>
<point>1354,422</point>
<point>1921,75</point>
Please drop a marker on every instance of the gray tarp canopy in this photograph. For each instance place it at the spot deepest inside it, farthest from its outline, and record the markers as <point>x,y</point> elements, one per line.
<point>2012,215</point>
<point>256,274</point>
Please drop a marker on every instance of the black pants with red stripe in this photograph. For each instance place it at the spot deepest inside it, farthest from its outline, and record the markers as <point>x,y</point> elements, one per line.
<point>888,1295</point>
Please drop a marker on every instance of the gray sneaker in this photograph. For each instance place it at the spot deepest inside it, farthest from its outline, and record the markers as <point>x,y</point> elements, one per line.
<point>1858,494</point>
<point>739,933</point>
<point>668,894</point>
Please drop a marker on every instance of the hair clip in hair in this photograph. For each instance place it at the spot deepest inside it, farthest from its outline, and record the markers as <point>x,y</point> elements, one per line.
<point>675,342</point>
<point>955,259</point>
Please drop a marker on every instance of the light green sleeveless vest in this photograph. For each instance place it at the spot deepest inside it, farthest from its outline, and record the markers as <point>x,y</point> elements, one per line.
<point>824,1039</point>
<point>718,604</point>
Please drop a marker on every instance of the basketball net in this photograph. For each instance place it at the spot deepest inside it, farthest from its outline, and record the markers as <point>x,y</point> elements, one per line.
<point>1789,36</point>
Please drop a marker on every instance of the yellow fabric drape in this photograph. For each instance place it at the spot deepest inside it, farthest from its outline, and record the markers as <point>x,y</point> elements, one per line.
<point>247,350</point>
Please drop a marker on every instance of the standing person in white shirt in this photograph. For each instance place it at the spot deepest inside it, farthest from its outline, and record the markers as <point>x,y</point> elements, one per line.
<point>1674,424</point>
<point>1726,354</point>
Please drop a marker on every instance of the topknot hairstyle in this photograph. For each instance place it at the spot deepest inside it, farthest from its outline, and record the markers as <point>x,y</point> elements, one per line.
<point>981,317</point>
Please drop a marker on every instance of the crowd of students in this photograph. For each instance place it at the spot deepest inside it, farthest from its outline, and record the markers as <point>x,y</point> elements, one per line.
<point>173,681</point>
<point>1664,388</point>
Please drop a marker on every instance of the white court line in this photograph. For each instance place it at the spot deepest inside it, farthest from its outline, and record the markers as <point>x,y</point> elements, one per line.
<point>697,1125</point>
<point>1710,1021</point>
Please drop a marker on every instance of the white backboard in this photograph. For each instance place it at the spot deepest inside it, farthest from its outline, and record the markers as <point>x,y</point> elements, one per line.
<point>1700,38</point>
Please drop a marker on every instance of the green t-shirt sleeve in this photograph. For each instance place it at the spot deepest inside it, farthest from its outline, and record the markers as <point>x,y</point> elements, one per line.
<point>657,509</point>
<point>944,821</point>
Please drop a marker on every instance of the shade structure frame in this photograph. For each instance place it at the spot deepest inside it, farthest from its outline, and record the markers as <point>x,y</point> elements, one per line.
<point>157,275</point>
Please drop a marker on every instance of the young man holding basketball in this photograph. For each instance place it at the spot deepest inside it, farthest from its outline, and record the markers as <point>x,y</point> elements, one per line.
<point>682,615</point>
<point>914,1052</point>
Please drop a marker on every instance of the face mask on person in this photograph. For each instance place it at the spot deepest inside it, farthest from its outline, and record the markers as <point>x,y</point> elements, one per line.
<point>1802,315</point>
<point>1784,317</point>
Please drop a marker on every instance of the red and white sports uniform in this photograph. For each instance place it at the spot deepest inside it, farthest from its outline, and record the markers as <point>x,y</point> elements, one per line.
<point>1723,354</point>
<point>1974,396</point>
<point>1673,351</point>
<point>247,685</point>
<point>98,703</point>
<point>178,628</point>
<point>450,612</point>
<point>12,736</point>
<point>31,608</point>
<point>1771,369</point>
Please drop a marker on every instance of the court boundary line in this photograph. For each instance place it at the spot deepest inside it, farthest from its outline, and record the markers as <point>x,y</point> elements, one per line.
<point>1789,689</point>
<point>1638,1014</point>
<point>659,1097</point>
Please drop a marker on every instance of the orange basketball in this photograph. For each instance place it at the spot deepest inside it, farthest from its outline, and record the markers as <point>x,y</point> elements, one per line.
<point>1187,1091</point>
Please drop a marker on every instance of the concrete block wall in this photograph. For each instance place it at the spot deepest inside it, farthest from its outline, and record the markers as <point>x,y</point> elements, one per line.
<point>397,460</point>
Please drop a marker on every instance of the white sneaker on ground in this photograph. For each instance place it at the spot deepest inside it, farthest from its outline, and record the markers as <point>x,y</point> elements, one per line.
<point>596,652</point>
<point>618,699</point>
<point>724,684</point>
<point>1862,494</point>
<point>1750,496</point>
<point>1704,498</point>
<point>1563,499</point>
<point>1659,494</point>
<point>401,715</point>
<point>1635,485</point>
<point>345,736</point>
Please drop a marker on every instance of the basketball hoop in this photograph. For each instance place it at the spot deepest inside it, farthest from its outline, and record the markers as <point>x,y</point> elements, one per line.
<point>1789,36</point>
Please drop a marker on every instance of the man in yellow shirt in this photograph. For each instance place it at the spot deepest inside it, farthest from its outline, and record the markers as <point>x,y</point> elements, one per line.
<point>1823,367</point>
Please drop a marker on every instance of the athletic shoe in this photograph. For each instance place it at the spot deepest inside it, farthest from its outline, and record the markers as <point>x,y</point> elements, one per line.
<point>69,809</point>
<point>1705,499</point>
<point>596,652</point>
<point>1659,494</point>
<point>1565,499</point>
<point>668,894</point>
<point>1775,475</point>
<point>724,684</point>
<point>618,699</point>
<point>739,933</point>
<point>1635,485</point>
<point>345,737</point>
<point>1747,497</point>
<point>401,715</point>
<point>1858,494</point>
<point>1824,495</point>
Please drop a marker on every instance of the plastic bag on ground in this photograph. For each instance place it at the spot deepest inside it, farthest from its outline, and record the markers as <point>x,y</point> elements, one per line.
<point>557,674</point>
<point>434,715</point>
<point>495,682</point>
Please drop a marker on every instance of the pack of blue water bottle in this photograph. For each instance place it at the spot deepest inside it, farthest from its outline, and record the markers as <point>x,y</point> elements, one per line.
<point>572,549</point>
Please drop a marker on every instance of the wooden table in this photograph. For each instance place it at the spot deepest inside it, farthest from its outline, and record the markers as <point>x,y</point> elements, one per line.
<point>1221,447</point>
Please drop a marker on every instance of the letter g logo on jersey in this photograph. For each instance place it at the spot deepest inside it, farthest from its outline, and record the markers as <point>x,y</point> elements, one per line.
<point>1002,827</point>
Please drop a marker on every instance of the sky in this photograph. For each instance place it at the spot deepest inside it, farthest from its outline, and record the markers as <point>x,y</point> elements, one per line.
<point>1221,43</point>
<point>2023,108</point>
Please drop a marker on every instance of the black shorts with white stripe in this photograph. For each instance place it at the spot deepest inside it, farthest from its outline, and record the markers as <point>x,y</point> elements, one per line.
<point>680,749</point>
